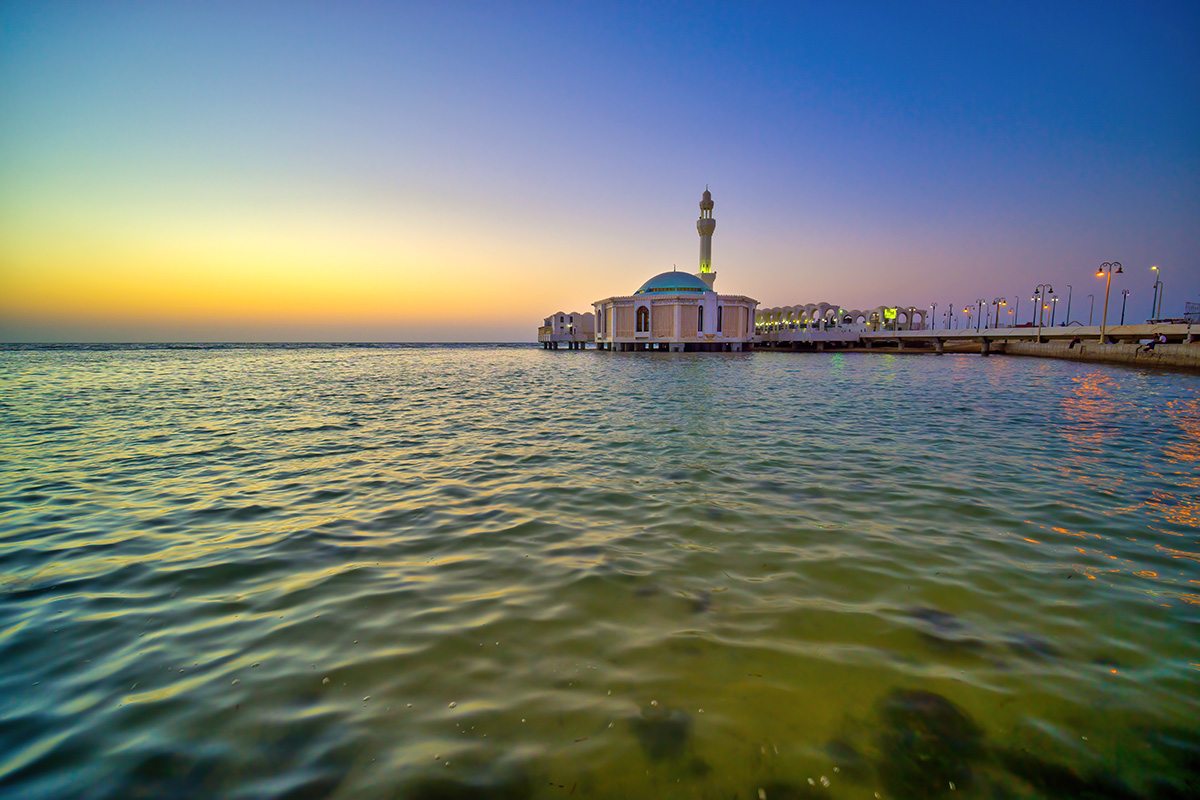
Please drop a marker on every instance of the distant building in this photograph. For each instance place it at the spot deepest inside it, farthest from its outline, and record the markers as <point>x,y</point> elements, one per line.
<point>678,311</point>
<point>572,329</point>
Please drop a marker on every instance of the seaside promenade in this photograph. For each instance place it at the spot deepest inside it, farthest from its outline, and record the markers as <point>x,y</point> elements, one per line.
<point>1119,343</point>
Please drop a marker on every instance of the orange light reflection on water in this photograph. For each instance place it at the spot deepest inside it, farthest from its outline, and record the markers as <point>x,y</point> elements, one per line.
<point>1090,409</point>
<point>1179,507</point>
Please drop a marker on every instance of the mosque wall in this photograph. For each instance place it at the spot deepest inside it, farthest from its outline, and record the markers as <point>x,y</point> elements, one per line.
<point>624,322</point>
<point>663,321</point>
<point>734,322</point>
<point>687,321</point>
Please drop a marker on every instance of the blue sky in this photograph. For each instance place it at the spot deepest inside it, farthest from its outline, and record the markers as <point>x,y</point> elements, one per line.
<point>457,171</point>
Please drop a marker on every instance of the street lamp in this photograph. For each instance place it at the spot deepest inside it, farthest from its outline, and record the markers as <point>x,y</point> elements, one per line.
<point>1053,309</point>
<point>1091,308</point>
<point>981,304</point>
<point>1124,297</point>
<point>1040,295</point>
<point>1068,304</point>
<point>999,301</point>
<point>970,313</point>
<point>1106,269</point>
<point>1158,286</point>
<point>1016,308</point>
<point>933,314</point>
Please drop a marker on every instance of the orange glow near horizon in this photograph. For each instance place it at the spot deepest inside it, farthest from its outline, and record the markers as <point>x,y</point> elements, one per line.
<point>299,274</point>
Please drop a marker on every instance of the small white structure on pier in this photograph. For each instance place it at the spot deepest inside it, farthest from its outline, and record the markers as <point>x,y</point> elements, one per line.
<point>679,311</point>
<point>573,329</point>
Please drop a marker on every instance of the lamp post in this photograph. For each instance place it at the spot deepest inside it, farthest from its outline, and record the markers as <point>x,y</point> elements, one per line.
<point>933,314</point>
<point>1053,309</point>
<point>1016,308</point>
<point>1068,304</point>
<point>1091,308</point>
<point>970,314</point>
<point>1158,287</point>
<point>999,301</point>
<point>1040,295</point>
<point>1124,297</point>
<point>981,304</point>
<point>1106,269</point>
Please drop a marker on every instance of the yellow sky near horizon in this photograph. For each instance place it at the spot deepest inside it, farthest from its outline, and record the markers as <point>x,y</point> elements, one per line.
<point>145,266</point>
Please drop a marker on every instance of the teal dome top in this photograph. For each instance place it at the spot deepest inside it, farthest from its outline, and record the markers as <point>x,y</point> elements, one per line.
<point>673,282</point>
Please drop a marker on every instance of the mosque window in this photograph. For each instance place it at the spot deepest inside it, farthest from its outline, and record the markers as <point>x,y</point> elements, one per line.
<point>700,319</point>
<point>643,319</point>
<point>720,317</point>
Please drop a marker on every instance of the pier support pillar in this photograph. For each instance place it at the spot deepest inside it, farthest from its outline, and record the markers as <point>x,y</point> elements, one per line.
<point>939,347</point>
<point>985,348</point>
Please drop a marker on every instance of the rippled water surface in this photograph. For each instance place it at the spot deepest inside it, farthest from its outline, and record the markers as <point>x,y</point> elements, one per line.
<point>438,572</point>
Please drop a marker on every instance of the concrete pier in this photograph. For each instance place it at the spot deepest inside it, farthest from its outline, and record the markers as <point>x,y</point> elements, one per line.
<point>1177,356</point>
<point>1125,344</point>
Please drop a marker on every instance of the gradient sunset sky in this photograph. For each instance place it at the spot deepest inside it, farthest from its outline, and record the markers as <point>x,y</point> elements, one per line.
<point>258,171</point>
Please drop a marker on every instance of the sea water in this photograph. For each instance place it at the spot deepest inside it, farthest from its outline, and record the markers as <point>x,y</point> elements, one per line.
<point>484,571</point>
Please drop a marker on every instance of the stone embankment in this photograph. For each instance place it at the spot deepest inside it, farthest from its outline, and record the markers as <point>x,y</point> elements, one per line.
<point>1177,356</point>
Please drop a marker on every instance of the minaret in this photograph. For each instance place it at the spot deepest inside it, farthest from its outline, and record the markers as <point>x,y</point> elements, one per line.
<point>705,226</point>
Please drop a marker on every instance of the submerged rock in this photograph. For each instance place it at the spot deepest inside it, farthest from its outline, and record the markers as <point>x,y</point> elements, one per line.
<point>478,786</point>
<point>952,643</point>
<point>1032,647</point>
<point>849,762</point>
<point>700,602</point>
<point>936,620</point>
<point>1059,780</point>
<point>925,744</point>
<point>662,733</point>
<point>778,790</point>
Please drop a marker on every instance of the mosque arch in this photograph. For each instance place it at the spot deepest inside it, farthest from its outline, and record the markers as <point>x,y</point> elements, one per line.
<point>643,319</point>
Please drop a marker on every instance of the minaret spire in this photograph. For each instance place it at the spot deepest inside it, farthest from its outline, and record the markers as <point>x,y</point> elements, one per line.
<point>705,226</point>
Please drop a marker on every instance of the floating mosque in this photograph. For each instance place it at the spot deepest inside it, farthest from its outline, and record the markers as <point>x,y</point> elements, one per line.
<point>682,312</point>
<point>678,311</point>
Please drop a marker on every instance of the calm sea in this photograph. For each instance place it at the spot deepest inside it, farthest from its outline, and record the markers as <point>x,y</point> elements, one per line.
<point>500,572</point>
